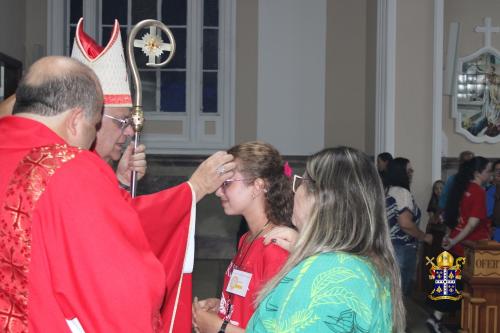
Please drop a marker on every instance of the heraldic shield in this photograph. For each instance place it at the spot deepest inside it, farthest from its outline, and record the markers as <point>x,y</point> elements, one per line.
<point>445,276</point>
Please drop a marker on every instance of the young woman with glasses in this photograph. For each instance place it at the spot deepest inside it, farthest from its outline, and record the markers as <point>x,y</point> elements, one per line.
<point>342,274</point>
<point>260,191</point>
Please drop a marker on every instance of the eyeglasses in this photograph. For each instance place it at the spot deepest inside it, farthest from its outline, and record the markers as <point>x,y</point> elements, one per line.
<point>298,180</point>
<point>122,123</point>
<point>228,182</point>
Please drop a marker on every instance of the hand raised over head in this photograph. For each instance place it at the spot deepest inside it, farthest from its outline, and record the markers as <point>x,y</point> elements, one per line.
<point>211,173</point>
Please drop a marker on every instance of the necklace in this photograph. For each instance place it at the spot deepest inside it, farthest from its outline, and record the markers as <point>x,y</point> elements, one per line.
<point>239,263</point>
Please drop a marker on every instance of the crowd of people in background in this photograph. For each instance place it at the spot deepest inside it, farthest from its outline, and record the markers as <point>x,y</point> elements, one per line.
<point>464,208</point>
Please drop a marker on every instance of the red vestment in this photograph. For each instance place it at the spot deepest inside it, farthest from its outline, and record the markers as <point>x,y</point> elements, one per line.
<point>263,262</point>
<point>74,247</point>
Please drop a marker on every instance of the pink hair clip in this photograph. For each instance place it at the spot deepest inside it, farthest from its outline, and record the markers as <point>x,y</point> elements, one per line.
<point>287,170</point>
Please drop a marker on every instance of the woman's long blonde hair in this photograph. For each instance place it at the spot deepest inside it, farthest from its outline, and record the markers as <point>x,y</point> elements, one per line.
<point>349,216</point>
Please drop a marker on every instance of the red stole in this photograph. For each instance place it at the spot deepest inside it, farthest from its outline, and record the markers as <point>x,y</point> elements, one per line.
<point>23,191</point>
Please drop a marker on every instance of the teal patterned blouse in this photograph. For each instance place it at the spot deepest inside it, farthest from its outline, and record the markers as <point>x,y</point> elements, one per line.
<point>329,292</point>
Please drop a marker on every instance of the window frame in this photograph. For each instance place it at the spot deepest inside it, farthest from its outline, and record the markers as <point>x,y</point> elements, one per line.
<point>193,139</point>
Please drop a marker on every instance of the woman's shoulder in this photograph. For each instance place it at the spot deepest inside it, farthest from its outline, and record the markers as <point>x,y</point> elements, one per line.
<point>343,274</point>
<point>398,191</point>
<point>337,261</point>
<point>350,272</point>
<point>352,260</point>
<point>403,197</point>
<point>475,188</point>
<point>270,250</point>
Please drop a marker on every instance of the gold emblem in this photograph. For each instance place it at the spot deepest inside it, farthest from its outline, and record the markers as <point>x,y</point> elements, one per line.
<point>445,276</point>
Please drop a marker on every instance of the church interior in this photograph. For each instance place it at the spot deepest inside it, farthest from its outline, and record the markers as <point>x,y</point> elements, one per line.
<point>413,78</point>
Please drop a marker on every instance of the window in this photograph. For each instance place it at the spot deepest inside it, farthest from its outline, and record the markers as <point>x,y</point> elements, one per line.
<point>188,104</point>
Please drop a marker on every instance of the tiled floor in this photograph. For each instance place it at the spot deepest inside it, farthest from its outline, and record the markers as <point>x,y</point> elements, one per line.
<point>208,276</point>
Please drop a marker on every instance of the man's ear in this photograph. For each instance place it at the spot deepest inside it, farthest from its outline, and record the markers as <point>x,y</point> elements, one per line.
<point>73,121</point>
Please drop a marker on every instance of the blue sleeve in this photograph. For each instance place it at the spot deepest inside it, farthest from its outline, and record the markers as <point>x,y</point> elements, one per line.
<point>446,190</point>
<point>490,200</point>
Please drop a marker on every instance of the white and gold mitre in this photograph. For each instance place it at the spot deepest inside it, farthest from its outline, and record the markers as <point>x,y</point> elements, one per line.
<point>107,62</point>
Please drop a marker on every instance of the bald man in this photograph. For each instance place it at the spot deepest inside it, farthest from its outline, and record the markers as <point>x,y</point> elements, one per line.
<point>110,139</point>
<point>75,256</point>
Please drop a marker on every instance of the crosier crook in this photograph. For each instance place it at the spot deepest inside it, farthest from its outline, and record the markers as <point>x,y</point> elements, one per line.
<point>153,46</point>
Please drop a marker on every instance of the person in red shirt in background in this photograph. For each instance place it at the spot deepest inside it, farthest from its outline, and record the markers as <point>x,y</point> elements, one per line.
<point>261,191</point>
<point>465,212</point>
<point>466,219</point>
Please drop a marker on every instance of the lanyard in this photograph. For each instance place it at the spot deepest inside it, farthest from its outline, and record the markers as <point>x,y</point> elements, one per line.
<point>248,248</point>
<point>237,265</point>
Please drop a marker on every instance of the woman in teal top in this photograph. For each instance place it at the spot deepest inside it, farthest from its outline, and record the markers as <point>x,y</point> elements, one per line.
<point>341,275</point>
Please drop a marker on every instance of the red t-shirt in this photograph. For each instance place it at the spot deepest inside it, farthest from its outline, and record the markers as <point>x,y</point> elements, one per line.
<point>473,205</point>
<point>263,262</point>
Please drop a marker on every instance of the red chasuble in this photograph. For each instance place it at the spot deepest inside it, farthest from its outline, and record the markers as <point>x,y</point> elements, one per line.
<point>77,254</point>
<point>171,238</point>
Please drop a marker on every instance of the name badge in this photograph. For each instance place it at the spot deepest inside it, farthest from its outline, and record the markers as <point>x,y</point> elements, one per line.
<point>239,282</point>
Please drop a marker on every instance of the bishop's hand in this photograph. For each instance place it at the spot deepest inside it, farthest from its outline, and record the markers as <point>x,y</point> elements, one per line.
<point>211,173</point>
<point>131,161</point>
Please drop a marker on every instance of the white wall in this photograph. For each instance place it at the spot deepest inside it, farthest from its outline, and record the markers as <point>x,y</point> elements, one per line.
<point>346,53</point>
<point>12,28</point>
<point>414,92</point>
<point>36,30</point>
<point>246,70</point>
<point>291,75</point>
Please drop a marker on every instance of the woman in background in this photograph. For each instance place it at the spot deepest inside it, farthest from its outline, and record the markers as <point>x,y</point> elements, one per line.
<point>436,228</point>
<point>403,216</point>
<point>433,205</point>
<point>341,275</point>
<point>465,210</point>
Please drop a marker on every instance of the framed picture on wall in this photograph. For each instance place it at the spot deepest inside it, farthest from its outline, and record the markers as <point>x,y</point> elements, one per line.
<point>476,102</point>
<point>11,71</point>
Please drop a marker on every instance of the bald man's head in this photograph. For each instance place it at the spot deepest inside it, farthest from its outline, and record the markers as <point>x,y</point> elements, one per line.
<point>56,84</point>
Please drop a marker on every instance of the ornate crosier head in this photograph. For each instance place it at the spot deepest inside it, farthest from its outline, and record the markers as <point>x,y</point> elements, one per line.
<point>152,45</point>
